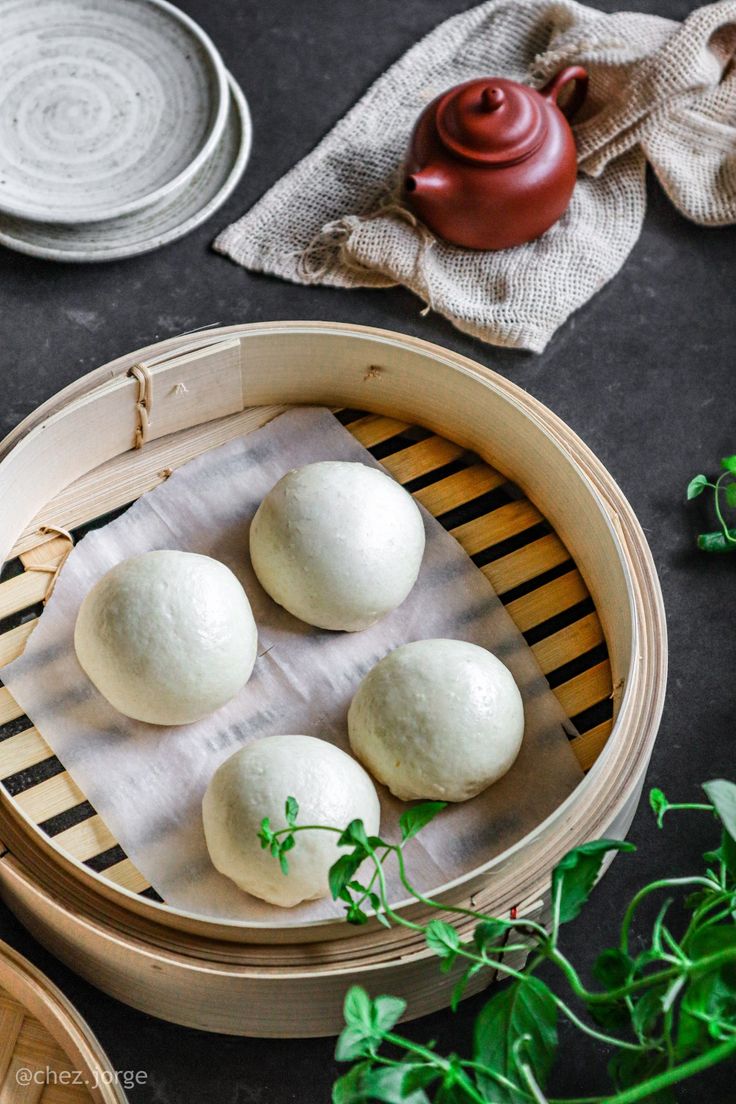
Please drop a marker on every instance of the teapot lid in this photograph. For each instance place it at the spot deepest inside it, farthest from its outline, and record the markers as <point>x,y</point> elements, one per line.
<point>496,121</point>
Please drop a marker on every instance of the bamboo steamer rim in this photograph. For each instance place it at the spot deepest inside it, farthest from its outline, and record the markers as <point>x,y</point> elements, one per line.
<point>25,984</point>
<point>76,882</point>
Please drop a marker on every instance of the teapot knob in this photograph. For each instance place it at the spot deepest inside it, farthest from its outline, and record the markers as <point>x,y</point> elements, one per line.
<point>492,98</point>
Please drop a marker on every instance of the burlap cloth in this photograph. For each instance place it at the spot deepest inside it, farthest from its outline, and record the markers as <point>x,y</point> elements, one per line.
<point>660,91</point>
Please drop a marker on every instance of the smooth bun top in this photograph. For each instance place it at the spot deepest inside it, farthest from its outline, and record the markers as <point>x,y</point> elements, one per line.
<point>439,719</point>
<point>330,788</point>
<point>167,637</point>
<point>337,544</point>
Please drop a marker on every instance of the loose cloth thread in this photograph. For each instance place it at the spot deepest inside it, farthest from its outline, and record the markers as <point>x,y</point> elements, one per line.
<point>660,91</point>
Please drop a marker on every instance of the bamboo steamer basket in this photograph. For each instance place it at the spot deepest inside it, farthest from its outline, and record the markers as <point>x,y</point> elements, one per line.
<point>47,1051</point>
<point>538,512</point>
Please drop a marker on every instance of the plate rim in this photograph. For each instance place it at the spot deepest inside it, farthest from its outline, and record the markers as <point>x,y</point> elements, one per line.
<point>236,101</point>
<point>31,214</point>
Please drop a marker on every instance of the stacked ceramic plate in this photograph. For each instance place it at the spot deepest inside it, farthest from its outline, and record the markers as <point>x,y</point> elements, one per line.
<point>120,128</point>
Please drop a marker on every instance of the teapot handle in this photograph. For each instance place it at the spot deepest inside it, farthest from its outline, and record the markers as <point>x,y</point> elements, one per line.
<point>571,73</point>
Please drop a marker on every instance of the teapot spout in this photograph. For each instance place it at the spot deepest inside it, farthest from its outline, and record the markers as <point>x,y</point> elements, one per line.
<point>428,183</point>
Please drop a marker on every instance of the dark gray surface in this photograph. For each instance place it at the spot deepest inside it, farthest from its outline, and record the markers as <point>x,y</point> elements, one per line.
<point>644,374</point>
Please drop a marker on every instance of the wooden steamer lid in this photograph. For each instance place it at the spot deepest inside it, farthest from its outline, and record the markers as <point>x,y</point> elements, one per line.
<point>48,1053</point>
<point>569,545</point>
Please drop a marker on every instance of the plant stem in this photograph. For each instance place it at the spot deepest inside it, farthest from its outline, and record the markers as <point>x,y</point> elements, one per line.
<point>663,883</point>
<point>522,924</point>
<point>672,1076</point>
<point>435,1060</point>
<point>717,502</point>
<point>679,807</point>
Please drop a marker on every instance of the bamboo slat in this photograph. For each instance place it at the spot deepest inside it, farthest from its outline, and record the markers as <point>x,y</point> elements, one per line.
<point>507,521</point>
<point>569,643</point>
<point>559,595</point>
<point>87,839</point>
<point>9,708</point>
<point>422,458</point>
<point>22,591</point>
<point>585,690</point>
<point>126,875</point>
<point>458,489</point>
<point>374,429</point>
<point>517,568</point>
<point>13,642</point>
<point>590,744</point>
<point>49,798</point>
<point>23,751</point>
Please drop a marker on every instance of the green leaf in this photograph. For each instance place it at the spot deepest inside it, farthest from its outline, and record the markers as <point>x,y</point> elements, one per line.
<point>696,486</point>
<point>387,1084</point>
<point>442,939</point>
<point>728,853</point>
<point>460,986</point>
<point>717,541</point>
<point>723,796</point>
<point>415,818</point>
<point>712,940</point>
<point>575,875</point>
<point>291,810</point>
<point>613,968</point>
<point>658,804</point>
<point>354,835</point>
<point>728,463</point>
<point>352,1043</point>
<point>420,1076</point>
<point>711,993</point>
<point>366,1023</point>
<point>647,1011</point>
<point>387,1011</point>
<point>629,1068</point>
<point>490,934</point>
<point>347,1089</point>
<point>343,871</point>
<point>731,494</point>
<point>265,834</point>
<point>525,1007</point>
<point>357,1007</point>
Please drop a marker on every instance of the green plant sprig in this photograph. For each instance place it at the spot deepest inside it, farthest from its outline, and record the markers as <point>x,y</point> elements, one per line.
<point>723,539</point>
<point>667,1012</point>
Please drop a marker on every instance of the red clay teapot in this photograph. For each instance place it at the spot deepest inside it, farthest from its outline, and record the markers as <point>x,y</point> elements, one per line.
<point>492,163</point>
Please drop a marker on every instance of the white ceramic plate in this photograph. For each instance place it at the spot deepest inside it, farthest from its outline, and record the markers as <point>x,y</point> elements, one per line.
<point>106,106</point>
<point>163,222</point>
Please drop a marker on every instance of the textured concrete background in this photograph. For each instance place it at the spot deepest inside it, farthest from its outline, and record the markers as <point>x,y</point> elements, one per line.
<point>644,374</point>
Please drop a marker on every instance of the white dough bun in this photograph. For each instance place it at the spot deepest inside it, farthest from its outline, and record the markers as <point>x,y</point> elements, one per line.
<point>437,719</point>
<point>167,637</point>
<point>337,544</point>
<point>330,788</point>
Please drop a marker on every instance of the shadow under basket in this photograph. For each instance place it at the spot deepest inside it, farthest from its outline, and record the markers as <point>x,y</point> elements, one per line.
<point>537,512</point>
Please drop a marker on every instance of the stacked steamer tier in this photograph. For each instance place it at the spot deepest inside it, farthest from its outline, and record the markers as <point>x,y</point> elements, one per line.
<point>120,128</point>
<point>47,1051</point>
<point>538,513</point>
